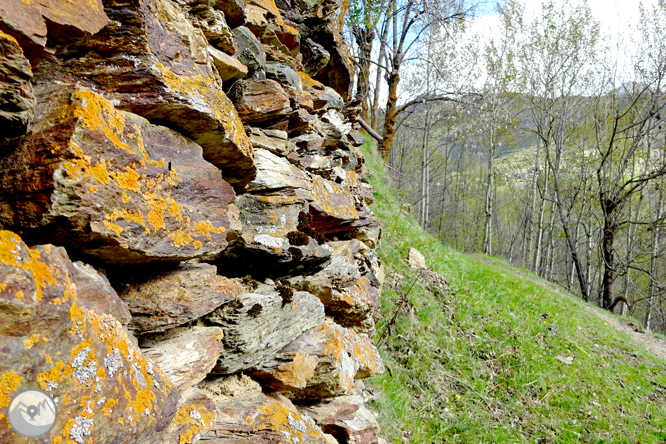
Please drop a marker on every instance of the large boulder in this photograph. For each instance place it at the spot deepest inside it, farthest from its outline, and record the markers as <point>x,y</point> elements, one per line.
<point>110,185</point>
<point>106,390</point>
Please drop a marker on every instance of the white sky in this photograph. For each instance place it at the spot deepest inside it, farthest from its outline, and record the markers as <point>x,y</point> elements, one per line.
<point>618,19</point>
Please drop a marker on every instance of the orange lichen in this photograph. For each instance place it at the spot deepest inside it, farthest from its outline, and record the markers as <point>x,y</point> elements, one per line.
<point>197,244</point>
<point>140,146</point>
<point>128,181</point>
<point>9,37</point>
<point>309,82</point>
<point>185,416</point>
<point>98,114</point>
<point>100,173</point>
<point>8,384</point>
<point>181,239</point>
<point>205,228</point>
<point>49,377</point>
<point>10,247</point>
<point>31,341</point>
<point>19,295</point>
<point>198,86</point>
<point>108,406</point>
<point>113,227</point>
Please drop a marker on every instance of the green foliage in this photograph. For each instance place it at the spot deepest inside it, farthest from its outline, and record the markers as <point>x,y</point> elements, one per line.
<point>482,360</point>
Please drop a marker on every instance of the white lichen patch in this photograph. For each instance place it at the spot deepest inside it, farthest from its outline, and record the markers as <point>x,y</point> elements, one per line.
<point>269,241</point>
<point>80,429</point>
<point>82,372</point>
<point>113,362</point>
<point>296,423</point>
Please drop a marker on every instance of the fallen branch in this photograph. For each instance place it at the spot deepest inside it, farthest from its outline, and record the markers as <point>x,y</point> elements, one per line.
<point>369,130</point>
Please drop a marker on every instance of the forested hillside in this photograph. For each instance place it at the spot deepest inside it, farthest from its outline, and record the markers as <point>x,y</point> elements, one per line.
<point>540,140</point>
<point>478,351</point>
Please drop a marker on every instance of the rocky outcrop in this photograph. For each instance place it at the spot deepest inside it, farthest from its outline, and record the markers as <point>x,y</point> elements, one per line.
<point>224,283</point>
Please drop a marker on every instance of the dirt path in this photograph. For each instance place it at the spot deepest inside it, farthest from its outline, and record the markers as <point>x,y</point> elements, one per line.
<point>653,344</point>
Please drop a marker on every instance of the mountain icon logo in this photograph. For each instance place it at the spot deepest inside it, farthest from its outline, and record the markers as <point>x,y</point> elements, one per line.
<point>32,413</point>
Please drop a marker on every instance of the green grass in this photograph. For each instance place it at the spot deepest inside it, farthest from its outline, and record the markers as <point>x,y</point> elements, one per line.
<point>477,362</point>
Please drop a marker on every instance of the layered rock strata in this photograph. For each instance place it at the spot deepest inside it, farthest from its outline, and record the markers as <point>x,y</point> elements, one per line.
<point>186,248</point>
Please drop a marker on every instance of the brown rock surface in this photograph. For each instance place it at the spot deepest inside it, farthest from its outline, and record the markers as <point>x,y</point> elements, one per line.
<point>17,100</point>
<point>227,67</point>
<point>112,185</point>
<point>257,325</point>
<point>106,390</point>
<point>175,297</point>
<point>260,101</point>
<point>253,417</point>
<point>346,418</point>
<point>185,355</point>
<point>331,205</point>
<point>100,297</point>
<point>195,417</point>
<point>234,11</point>
<point>343,355</point>
<point>151,60</point>
<point>275,141</point>
<point>288,371</point>
<point>27,21</point>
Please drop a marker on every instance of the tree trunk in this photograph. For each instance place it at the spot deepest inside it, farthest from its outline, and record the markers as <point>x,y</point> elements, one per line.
<point>374,111</point>
<point>653,262</point>
<point>607,240</point>
<point>391,107</point>
<point>364,38</point>
<point>490,188</point>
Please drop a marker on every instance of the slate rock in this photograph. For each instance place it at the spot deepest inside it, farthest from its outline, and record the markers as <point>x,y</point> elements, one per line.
<point>227,67</point>
<point>234,11</point>
<point>260,101</point>
<point>251,53</point>
<point>214,27</point>
<point>343,356</point>
<point>100,297</point>
<point>258,325</point>
<point>283,74</point>
<point>275,172</point>
<point>285,372</point>
<point>275,141</point>
<point>323,97</point>
<point>152,61</point>
<point>249,416</point>
<point>174,297</point>
<point>345,417</point>
<point>195,417</point>
<point>316,55</point>
<point>186,354</point>
<point>256,20</point>
<point>110,185</point>
<point>27,22</point>
<point>106,390</point>
<point>17,100</point>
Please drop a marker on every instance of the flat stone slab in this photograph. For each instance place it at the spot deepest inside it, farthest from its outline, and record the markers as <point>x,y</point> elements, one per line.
<point>111,185</point>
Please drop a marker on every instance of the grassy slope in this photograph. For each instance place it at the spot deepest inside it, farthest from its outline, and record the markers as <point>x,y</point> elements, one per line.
<point>477,363</point>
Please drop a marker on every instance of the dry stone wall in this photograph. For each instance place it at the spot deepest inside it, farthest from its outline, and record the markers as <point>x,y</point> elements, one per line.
<point>186,249</point>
